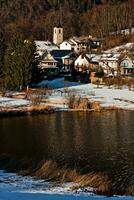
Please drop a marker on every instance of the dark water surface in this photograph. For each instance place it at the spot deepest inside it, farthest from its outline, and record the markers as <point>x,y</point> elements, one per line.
<point>90,141</point>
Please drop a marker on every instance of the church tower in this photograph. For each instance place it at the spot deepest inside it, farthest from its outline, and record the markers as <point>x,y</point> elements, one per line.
<point>58,35</point>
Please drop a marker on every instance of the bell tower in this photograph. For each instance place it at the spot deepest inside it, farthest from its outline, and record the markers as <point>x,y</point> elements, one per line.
<point>58,35</point>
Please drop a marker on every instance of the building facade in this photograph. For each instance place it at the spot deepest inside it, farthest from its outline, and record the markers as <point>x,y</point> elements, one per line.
<point>58,35</point>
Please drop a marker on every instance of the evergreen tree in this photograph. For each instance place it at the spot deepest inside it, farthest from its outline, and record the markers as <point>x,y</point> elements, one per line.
<point>20,63</point>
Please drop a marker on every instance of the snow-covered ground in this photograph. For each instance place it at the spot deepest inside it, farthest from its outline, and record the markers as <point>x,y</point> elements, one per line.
<point>12,102</point>
<point>120,98</point>
<point>120,49</point>
<point>13,187</point>
<point>108,97</point>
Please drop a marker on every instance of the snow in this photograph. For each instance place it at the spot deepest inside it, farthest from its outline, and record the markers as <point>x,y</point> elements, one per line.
<point>122,98</point>
<point>12,102</point>
<point>43,46</point>
<point>121,48</point>
<point>108,97</point>
<point>13,187</point>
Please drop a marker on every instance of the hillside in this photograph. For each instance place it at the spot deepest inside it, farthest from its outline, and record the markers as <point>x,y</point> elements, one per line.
<point>36,18</point>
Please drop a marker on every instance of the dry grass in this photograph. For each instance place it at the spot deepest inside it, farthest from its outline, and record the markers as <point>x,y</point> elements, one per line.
<point>95,106</point>
<point>98,181</point>
<point>49,170</point>
<point>78,103</point>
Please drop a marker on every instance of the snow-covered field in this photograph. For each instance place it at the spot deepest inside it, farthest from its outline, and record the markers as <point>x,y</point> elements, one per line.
<point>120,98</point>
<point>13,187</point>
<point>12,102</point>
<point>108,97</point>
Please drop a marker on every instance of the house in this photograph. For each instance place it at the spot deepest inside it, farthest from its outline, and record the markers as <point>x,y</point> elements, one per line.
<point>110,63</point>
<point>127,65</point>
<point>81,44</point>
<point>65,59</point>
<point>67,45</point>
<point>48,65</point>
<point>87,63</point>
<point>43,46</point>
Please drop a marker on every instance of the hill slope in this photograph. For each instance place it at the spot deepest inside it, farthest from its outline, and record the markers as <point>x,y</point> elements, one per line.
<point>36,18</point>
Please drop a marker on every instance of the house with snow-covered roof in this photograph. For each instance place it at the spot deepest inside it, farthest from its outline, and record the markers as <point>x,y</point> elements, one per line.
<point>65,59</point>
<point>127,65</point>
<point>81,44</point>
<point>48,65</point>
<point>110,63</point>
<point>43,46</point>
<point>87,63</point>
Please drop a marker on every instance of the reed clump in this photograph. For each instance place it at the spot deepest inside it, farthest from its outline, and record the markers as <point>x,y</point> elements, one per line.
<point>49,170</point>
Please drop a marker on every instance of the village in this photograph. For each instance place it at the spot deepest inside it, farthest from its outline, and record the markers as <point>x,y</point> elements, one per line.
<point>82,58</point>
<point>76,74</point>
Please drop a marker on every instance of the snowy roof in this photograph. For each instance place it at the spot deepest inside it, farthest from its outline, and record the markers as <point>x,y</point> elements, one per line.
<point>110,57</point>
<point>96,58</point>
<point>45,45</point>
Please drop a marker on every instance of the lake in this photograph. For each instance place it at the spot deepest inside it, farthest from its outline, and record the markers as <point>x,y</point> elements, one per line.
<point>99,142</point>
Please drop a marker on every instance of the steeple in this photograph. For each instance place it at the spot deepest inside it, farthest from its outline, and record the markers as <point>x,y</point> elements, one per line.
<point>58,35</point>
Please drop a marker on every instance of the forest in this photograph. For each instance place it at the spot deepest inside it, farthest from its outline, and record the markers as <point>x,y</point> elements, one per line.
<point>35,19</point>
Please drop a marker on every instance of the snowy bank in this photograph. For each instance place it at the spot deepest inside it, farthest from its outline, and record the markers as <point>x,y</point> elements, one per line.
<point>107,97</point>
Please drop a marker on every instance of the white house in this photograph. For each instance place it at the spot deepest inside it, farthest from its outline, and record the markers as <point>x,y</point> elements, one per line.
<point>66,45</point>
<point>87,62</point>
<point>127,66</point>
<point>48,65</point>
<point>80,44</point>
<point>82,63</point>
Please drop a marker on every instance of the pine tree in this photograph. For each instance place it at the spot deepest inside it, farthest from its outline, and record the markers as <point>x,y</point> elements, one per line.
<point>20,63</point>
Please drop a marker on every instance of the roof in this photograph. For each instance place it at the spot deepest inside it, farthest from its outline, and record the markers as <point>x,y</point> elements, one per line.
<point>96,58</point>
<point>47,57</point>
<point>60,53</point>
<point>110,57</point>
<point>45,45</point>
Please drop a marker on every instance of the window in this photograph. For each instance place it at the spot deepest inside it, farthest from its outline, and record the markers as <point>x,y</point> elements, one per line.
<point>59,31</point>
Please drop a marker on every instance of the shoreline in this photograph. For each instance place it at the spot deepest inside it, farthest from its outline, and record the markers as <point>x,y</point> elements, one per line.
<point>96,182</point>
<point>23,111</point>
<point>39,110</point>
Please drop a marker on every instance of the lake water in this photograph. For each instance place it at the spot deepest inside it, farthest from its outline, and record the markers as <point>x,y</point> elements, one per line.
<point>101,142</point>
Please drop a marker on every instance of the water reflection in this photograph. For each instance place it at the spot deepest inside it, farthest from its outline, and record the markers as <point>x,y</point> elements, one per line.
<point>101,141</point>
